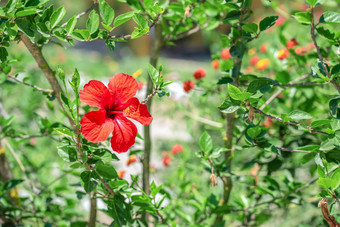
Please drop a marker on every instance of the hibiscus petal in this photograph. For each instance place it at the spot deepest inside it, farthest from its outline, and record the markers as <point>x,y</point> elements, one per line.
<point>95,126</point>
<point>124,134</point>
<point>96,94</point>
<point>137,111</point>
<point>123,87</point>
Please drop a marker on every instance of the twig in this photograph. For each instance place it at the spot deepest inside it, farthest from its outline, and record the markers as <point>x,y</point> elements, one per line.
<point>299,84</point>
<point>54,181</point>
<point>82,13</point>
<point>311,130</point>
<point>15,156</point>
<point>292,150</point>
<point>30,85</point>
<point>306,185</point>
<point>31,136</point>
<point>184,34</point>
<point>150,96</point>
<point>329,218</point>
<point>280,91</point>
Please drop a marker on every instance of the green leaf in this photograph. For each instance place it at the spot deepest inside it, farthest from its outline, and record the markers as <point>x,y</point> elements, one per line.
<point>154,74</point>
<point>312,2</point>
<point>254,132</point>
<point>333,106</point>
<point>10,6</point>
<point>318,123</point>
<point>335,70</point>
<point>106,171</point>
<point>326,183</point>
<point>57,16</point>
<point>226,65</point>
<point>303,17</point>
<point>228,106</point>
<point>3,54</point>
<point>89,180</point>
<point>67,153</point>
<point>26,11</point>
<point>106,12</point>
<point>336,178</point>
<point>138,32</point>
<point>121,19</point>
<point>92,23</point>
<point>71,25</point>
<point>283,77</point>
<point>267,22</point>
<point>206,142</point>
<point>154,189</point>
<point>236,94</point>
<point>330,18</point>
<point>64,131</point>
<point>12,183</point>
<point>259,84</point>
<point>75,81</point>
<point>251,27</point>
<point>299,115</point>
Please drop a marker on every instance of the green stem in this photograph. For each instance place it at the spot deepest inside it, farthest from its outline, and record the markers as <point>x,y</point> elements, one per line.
<point>157,44</point>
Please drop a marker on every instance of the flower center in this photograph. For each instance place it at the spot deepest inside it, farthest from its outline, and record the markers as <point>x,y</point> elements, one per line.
<point>112,113</point>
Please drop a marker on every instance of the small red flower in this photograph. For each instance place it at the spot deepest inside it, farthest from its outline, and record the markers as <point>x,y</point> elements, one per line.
<point>115,103</point>
<point>152,168</point>
<point>215,64</point>
<point>166,160</point>
<point>292,43</point>
<point>262,64</point>
<point>199,73</point>
<point>177,148</point>
<point>268,123</point>
<point>283,54</point>
<point>225,54</point>
<point>132,159</point>
<point>254,60</point>
<point>188,85</point>
<point>280,21</point>
<point>263,48</point>
<point>121,173</point>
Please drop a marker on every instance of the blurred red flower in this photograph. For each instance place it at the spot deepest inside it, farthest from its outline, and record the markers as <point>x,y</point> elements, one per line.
<point>121,173</point>
<point>254,60</point>
<point>140,86</point>
<point>262,64</point>
<point>188,85</point>
<point>166,160</point>
<point>115,103</point>
<point>267,123</point>
<point>263,48</point>
<point>225,54</point>
<point>132,159</point>
<point>215,64</point>
<point>283,54</point>
<point>292,43</point>
<point>177,148</point>
<point>199,73</point>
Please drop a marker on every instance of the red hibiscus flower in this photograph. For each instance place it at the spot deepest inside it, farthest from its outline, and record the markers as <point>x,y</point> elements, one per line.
<point>115,103</point>
<point>188,85</point>
<point>177,148</point>
<point>199,73</point>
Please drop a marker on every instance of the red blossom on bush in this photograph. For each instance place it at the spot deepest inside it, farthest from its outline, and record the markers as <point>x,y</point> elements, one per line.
<point>199,73</point>
<point>177,148</point>
<point>283,54</point>
<point>262,64</point>
<point>267,123</point>
<point>121,173</point>
<point>225,54</point>
<point>254,60</point>
<point>115,103</point>
<point>132,159</point>
<point>215,64</point>
<point>291,43</point>
<point>166,160</point>
<point>280,21</point>
<point>188,85</point>
<point>263,48</point>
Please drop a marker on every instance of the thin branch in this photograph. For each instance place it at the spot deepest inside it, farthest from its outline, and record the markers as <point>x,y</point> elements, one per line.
<point>54,181</point>
<point>30,85</point>
<point>82,13</point>
<point>306,185</point>
<point>311,130</point>
<point>32,136</point>
<point>15,156</point>
<point>299,84</point>
<point>280,91</point>
<point>150,96</point>
<point>292,150</point>
<point>184,34</point>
